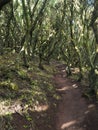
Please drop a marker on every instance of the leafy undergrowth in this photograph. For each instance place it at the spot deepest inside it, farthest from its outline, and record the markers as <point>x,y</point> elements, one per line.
<point>84,84</point>
<point>27,95</point>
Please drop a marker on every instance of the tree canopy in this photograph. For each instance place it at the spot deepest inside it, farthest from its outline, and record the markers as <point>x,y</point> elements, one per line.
<point>66,29</point>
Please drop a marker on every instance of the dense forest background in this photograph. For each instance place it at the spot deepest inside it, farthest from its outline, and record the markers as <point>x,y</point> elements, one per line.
<point>33,33</point>
<point>65,29</point>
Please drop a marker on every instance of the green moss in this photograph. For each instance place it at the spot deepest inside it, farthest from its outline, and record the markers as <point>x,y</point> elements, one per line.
<point>22,73</point>
<point>8,84</point>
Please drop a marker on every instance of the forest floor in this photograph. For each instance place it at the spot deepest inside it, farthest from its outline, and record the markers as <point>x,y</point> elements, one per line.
<point>27,95</point>
<point>74,112</point>
<point>34,99</point>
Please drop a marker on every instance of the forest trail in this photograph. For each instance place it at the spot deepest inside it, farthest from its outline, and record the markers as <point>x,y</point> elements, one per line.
<point>73,111</point>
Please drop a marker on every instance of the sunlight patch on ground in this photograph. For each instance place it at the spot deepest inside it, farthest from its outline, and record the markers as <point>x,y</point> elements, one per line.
<point>7,107</point>
<point>75,86</point>
<point>41,108</point>
<point>63,70</point>
<point>91,106</point>
<point>68,124</point>
<point>75,70</point>
<point>87,112</point>
<point>63,89</point>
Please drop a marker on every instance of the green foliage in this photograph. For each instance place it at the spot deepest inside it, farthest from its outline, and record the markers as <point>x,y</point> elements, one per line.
<point>8,84</point>
<point>22,74</point>
<point>46,30</point>
<point>32,34</point>
<point>24,89</point>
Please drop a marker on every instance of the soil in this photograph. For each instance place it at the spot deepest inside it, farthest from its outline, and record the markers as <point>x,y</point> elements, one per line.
<point>74,112</point>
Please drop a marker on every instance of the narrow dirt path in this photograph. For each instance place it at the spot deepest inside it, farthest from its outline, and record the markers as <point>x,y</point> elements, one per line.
<point>73,110</point>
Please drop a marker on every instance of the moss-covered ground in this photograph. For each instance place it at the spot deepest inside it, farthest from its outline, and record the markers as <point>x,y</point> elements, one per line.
<point>27,95</point>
